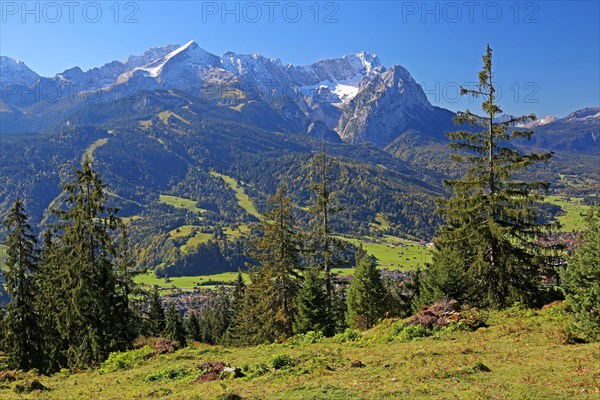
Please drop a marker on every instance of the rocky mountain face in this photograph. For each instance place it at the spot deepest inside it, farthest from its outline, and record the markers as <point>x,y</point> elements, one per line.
<point>386,106</point>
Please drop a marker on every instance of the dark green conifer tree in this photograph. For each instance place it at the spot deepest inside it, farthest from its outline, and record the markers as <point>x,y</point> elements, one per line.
<point>269,301</point>
<point>237,304</point>
<point>366,295</point>
<point>485,252</point>
<point>174,329</point>
<point>311,302</point>
<point>582,280</point>
<point>216,318</point>
<point>323,247</point>
<point>125,265</point>
<point>192,327</point>
<point>95,311</point>
<point>155,316</point>
<point>49,302</point>
<point>21,326</point>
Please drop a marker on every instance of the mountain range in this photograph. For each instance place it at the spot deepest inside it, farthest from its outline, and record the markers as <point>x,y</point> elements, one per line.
<point>354,95</point>
<point>179,121</point>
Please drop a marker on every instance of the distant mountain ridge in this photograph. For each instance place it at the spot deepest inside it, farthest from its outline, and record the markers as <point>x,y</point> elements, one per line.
<point>321,91</point>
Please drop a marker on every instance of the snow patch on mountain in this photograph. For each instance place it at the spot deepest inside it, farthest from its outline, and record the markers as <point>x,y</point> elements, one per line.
<point>586,114</point>
<point>175,66</point>
<point>150,55</point>
<point>538,122</point>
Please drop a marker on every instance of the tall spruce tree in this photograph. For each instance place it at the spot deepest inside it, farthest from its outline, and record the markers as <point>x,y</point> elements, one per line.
<point>216,318</point>
<point>92,307</point>
<point>311,302</point>
<point>155,316</point>
<point>126,288</point>
<point>49,302</point>
<point>269,301</point>
<point>366,295</point>
<point>582,280</point>
<point>192,327</point>
<point>22,336</point>
<point>174,328</point>
<point>237,305</point>
<point>485,252</point>
<point>323,246</point>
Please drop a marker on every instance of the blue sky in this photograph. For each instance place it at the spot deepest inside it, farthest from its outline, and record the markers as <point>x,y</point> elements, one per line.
<point>546,53</point>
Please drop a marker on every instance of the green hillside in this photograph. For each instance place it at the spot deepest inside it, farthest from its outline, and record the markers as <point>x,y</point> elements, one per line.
<point>186,282</point>
<point>520,355</point>
<point>179,202</point>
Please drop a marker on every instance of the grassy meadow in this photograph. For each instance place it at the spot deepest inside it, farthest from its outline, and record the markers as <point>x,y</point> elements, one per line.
<point>185,282</point>
<point>574,212</point>
<point>244,201</point>
<point>392,252</point>
<point>520,355</point>
<point>180,202</point>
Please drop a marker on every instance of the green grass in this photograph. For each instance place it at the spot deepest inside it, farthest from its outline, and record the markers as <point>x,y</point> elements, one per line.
<point>185,282</point>
<point>2,257</point>
<point>127,220</point>
<point>89,152</point>
<point>203,237</point>
<point>242,198</point>
<point>398,257</point>
<point>380,223</point>
<point>198,238</point>
<point>180,202</point>
<point>524,355</point>
<point>574,212</point>
<point>164,116</point>
<point>237,232</point>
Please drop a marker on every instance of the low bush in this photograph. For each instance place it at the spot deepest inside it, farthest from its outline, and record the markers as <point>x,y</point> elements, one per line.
<point>406,333</point>
<point>172,374</point>
<point>125,360</point>
<point>282,361</point>
<point>307,338</point>
<point>349,335</point>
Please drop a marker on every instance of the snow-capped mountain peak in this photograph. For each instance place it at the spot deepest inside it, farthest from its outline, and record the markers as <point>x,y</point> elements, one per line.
<point>586,114</point>
<point>15,72</point>
<point>189,57</point>
<point>369,61</point>
<point>149,55</point>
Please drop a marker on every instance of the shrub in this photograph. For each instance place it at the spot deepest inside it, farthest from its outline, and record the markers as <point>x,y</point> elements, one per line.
<point>260,369</point>
<point>168,373</point>
<point>29,386</point>
<point>307,338</point>
<point>125,360</point>
<point>519,310</point>
<point>282,361</point>
<point>349,335</point>
<point>406,333</point>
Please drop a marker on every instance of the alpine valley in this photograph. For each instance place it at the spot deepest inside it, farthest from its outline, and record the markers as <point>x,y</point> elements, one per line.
<point>192,144</point>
